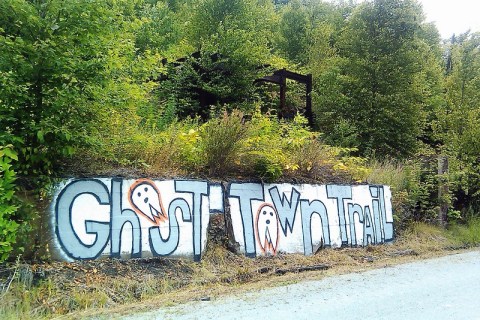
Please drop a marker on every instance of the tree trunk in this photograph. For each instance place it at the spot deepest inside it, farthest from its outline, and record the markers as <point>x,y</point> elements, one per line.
<point>442,190</point>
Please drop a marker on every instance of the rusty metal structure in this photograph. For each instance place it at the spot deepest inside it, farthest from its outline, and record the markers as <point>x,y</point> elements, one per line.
<point>280,77</point>
<point>206,98</point>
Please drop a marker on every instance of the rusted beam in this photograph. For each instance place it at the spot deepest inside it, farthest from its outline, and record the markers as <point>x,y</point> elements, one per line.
<point>273,79</point>
<point>292,75</point>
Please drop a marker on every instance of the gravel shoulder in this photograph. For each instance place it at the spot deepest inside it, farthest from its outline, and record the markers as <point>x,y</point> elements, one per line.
<point>439,288</point>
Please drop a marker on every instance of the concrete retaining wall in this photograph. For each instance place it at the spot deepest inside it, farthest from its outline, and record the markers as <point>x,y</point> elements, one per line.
<point>124,218</point>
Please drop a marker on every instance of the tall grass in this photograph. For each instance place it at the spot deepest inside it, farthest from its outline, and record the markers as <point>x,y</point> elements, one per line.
<point>389,172</point>
<point>399,178</point>
<point>467,234</point>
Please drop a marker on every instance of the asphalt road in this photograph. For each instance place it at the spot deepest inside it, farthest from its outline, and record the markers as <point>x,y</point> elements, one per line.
<point>442,288</point>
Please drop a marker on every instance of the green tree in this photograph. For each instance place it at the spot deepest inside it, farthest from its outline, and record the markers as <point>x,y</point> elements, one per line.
<point>159,28</point>
<point>300,21</point>
<point>294,29</point>
<point>68,70</point>
<point>70,77</point>
<point>380,72</point>
<point>230,41</point>
<point>52,54</point>
<point>458,124</point>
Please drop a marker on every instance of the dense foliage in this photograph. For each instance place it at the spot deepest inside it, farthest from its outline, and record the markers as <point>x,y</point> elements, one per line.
<point>8,226</point>
<point>169,86</point>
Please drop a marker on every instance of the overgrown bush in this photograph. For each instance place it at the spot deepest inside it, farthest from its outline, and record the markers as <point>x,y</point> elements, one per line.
<point>414,184</point>
<point>264,148</point>
<point>256,146</point>
<point>221,142</point>
<point>8,201</point>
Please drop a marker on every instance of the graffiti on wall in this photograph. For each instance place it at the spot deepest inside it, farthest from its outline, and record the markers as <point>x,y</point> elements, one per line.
<point>132,218</point>
<point>117,217</point>
<point>273,218</point>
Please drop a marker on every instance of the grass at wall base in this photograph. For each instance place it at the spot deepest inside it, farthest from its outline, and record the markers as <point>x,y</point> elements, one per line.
<point>105,287</point>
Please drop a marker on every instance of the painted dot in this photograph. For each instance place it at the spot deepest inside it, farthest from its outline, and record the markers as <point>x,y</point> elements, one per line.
<point>268,221</point>
<point>271,214</point>
<point>145,200</point>
<point>146,189</point>
<point>264,212</point>
<point>139,194</point>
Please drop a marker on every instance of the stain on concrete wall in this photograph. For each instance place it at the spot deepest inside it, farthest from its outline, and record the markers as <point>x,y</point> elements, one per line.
<point>114,217</point>
<point>272,218</point>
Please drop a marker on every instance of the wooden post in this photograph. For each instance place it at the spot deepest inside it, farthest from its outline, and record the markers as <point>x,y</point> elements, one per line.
<point>283,96</point>
<point>442,190</point>
<point>308,105</point>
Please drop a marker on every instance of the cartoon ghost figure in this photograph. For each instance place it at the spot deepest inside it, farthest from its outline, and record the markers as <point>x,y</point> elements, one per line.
<point>145,199</point>
<point>267,228</point>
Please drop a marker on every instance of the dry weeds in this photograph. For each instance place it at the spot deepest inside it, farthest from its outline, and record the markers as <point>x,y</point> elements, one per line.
<point>96,288</point>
